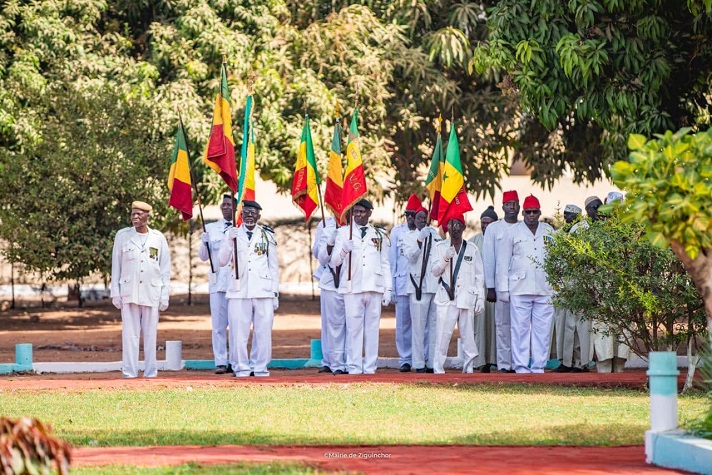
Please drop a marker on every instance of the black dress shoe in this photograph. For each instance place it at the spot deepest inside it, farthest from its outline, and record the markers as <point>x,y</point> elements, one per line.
<point>405,368</point>
<point>485,369</point>
<point>564,369</point>
<point>252,373</point>
<point>420,370</point>
<point>429,370</point>
<point>506,370</point>
<point>221,369</point>
<point>339,371</point>
<point>324,369</point>
<point>576,369</point>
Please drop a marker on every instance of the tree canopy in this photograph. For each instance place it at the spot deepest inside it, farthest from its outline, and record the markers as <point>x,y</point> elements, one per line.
<point>590,72</point>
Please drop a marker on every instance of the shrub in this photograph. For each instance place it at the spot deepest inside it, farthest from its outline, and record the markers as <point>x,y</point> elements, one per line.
<point>27,447</point>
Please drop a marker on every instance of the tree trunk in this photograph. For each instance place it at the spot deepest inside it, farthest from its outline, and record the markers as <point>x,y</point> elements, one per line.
<point>700,270</point>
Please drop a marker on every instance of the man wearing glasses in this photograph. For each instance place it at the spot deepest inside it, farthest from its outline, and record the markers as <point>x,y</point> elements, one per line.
<point>253,291</point>
<point>365,282</point>
<point>521,280</point>
<point>140,278</point>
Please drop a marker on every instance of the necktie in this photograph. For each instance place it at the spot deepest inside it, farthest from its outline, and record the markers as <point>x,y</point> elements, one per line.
<point>363,231</point>
<point>249,235</point>
<point>227,225</point>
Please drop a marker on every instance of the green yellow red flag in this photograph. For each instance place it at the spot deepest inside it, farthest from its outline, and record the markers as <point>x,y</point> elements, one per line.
<point>246,185</point>
<point>179,182</point>
<point>354,176</point>
<point>306,179</point>
<point>335,176</point>
<point>453,195</point>
<point>220,152</point>
<point>434,180</point>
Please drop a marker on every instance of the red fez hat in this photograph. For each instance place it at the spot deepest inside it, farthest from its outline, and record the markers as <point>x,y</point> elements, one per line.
<point>413,203</point>
<point>510,196</point>
<point>530,202</point>
<point>422,209</point>
<point>458,217</point>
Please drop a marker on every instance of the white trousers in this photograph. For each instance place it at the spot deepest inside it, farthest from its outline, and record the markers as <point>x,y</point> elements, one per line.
<point>448,316</point>
<point>404,329</point>
<point>218,317</point>
<point>324,328</point>
<point>137,320</point>
<point>503,334</point>
<point>243,313</point>
<point>363,316</point>
<point>423,316</point>
<point>578,341</point>
<point>532,317</point>
<point>334,319</point>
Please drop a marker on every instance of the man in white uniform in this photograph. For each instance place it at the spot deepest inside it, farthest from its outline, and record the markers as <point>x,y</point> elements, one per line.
<point>368,286</point>
<point>485,326</point>
<point>218,279</point>
<point>490,245</point>
<point>399,270</point>
<point>253,298</point>
<point>422,285</point>
<point>333,313</point>
<point>521,278</point>
<point>140,278</point>
<point>461,295</point>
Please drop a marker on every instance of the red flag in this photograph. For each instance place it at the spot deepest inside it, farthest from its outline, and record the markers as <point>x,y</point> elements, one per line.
<point>354,177</point>
<point>220,152</point>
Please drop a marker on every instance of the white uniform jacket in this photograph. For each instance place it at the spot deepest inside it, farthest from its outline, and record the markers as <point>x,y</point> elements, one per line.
<point>520,260</point>
<point>140,271</point>
<point>370,271</point>
<point>490,247</point>
<point>217,231</point>
<point>257,264</point>
<point>319,250</point>
<point>469,283</point>
<point>415,254</point>
<point>396,258</point>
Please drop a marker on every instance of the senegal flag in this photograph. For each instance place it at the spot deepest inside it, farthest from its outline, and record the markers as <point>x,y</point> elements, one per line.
<point>434,181</point>
<point>220,153</point>
<point>453,196</point>
<point>354,177</point>
<point>306,179</point>
<point>179,182</point>
<point>335,176</point>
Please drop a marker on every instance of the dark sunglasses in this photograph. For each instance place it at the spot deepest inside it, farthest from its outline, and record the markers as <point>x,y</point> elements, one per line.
<point>531,211</point>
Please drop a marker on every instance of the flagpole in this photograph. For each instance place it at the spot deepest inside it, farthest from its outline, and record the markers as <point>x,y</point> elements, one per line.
<point>195,187</point>
<point>233,204</point>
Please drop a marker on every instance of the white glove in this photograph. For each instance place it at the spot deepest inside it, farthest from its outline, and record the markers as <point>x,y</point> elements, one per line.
<point>332,238</point>
<point>163,305</point>
<point>275,303</point>
<point>386,298</point>
<point>479,305</point>
<point>117,302</point>
<point>450,253</point>
<point>503,297</point>
<point>425,233</point>
<point>348,246</point>
<point>232,232</point>
<point>205,237</point>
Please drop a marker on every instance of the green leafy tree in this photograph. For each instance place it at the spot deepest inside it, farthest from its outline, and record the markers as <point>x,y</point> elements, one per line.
<point>609,272</point>
<point>668,181</point>
<point>590,72</point>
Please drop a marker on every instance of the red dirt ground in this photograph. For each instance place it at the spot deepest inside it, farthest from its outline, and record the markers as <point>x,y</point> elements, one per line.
<point>94,334</point>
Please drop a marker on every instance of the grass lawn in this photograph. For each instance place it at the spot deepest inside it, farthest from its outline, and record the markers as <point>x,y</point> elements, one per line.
<point>346,414</point>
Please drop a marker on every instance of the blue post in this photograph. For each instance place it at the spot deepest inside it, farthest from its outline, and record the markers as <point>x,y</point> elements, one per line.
<point>23,357</point>
<point>316,353</point>
<point>662,372</point>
